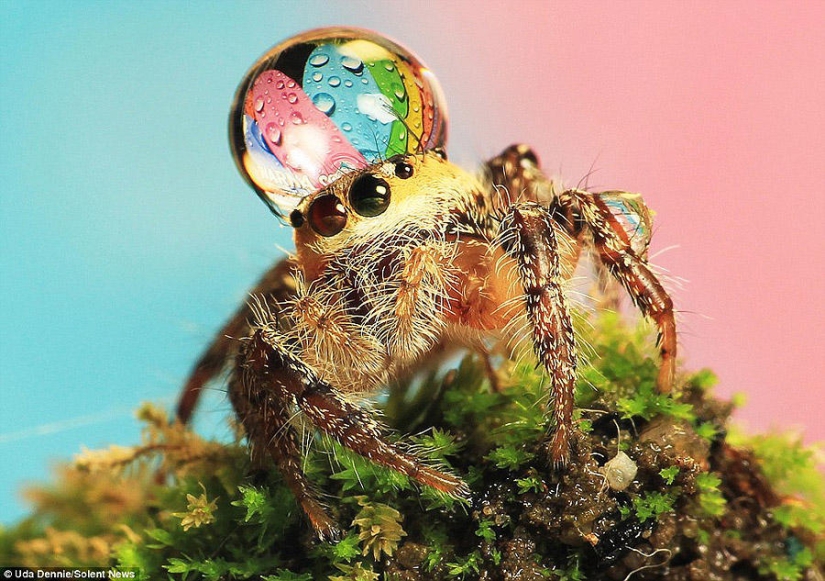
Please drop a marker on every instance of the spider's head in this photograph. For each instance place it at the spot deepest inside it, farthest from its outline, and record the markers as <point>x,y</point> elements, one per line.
<point>393,203</point>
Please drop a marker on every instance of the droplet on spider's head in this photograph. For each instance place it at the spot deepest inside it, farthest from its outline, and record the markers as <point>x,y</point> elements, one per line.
<point>328,102</point>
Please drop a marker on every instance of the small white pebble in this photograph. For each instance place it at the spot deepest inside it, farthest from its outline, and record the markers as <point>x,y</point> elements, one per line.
<point>619,471</point>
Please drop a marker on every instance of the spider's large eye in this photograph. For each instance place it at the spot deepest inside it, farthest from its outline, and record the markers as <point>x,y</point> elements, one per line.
<point>369,195</point>
<point>327,215</point>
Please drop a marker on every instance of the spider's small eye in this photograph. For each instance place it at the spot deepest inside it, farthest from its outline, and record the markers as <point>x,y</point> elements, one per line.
<point>369,195</point>
<point>403,170</point>
<point>327,215</point>
<point>440,152</point>
<point>296,219</point>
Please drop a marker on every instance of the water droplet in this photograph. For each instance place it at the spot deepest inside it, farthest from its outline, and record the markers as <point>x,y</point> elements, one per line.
<point>334,81</point>
<point>352,64</point>
<point>319,60</point>
<point>346,127</point>
<point>291,84</point>
<point>279,84</point>
<point>416,108</point>
<point>347,83</point>
<point>273,134</point>
<point>292,98</point>
<point>259,104</point>
<point>402,135</point>
<point>389,66</point>
<point>324,102</point>
<point>399,92</point>
<point>296,118</point>
<point>269,79</point>
<point>316,76</point>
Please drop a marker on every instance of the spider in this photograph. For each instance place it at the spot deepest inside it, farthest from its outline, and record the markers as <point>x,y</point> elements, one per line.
<point>399,256</point>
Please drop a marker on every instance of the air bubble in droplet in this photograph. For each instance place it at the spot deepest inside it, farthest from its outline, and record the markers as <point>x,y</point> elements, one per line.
<point>319,60</point>
<point>352,64</point>
<point>324,102</point>
<point>334,81</point>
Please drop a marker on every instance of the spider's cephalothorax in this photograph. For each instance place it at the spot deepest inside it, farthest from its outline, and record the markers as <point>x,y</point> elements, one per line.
<point>399,255</point>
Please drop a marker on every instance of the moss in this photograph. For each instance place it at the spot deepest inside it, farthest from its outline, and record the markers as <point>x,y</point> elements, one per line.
<point>704,502</point>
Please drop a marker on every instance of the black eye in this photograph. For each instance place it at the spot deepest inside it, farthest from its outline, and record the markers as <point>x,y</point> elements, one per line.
<point>296,219</point>
<point>403,170</point>
<point>327,215</point>
<point>440,152</point>
<point>369,195</point>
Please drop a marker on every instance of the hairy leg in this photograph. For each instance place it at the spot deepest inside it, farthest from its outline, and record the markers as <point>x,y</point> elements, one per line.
<point>272,377</point>
<point>622,248</point>
<point>528,235</point>
<point>275,286</point>
<point>619,223</point>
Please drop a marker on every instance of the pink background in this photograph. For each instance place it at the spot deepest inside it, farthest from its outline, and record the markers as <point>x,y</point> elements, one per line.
<point>716,113</point>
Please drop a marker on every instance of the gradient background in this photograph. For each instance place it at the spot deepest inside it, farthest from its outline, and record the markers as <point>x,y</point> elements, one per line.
<point>127,236</point>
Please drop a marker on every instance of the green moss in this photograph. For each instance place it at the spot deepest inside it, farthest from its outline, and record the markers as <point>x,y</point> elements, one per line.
<point>206,519</point>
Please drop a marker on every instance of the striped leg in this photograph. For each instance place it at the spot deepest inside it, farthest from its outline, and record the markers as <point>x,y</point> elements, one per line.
<point>527,235</point>
<point>620,225</point>
<point>276,285</point>
<point>272,381</point>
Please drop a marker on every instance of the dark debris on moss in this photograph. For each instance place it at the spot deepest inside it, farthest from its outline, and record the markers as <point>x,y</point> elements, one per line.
<point>658,488</point>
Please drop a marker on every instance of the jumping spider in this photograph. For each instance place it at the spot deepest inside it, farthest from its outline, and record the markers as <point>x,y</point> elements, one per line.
<point>399,255</point>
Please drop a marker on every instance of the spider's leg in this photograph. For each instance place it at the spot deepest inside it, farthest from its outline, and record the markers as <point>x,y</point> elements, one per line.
<point>275,286</point>
<point>271,369</point>
<point>622,248</point>
<point>527,235</point>
<point>264,410</point>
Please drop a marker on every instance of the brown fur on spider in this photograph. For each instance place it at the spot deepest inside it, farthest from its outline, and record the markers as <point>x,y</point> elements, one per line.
<point>399,261</point>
